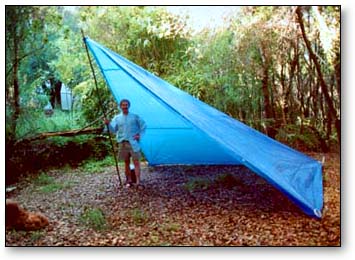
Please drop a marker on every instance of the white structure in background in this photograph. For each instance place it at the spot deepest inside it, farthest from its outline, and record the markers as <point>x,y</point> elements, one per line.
<point>66,97</point>
<point>48,109</point>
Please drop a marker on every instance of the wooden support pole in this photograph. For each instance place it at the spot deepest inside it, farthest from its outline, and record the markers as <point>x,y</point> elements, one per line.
<point>102,107</point>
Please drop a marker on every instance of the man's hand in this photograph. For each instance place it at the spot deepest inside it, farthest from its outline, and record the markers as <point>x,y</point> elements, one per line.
<point>106,121</point>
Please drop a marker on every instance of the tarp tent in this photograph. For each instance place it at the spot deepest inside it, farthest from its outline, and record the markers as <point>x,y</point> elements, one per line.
<point>183,130</point>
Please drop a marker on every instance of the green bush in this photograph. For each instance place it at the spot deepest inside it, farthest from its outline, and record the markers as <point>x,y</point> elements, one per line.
<point>94,218</point>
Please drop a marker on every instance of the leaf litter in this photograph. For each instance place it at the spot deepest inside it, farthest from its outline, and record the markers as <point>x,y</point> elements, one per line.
<point>178,206</point>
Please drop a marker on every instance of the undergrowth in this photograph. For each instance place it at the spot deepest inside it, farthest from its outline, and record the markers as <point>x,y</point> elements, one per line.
<point>95,166</point>
<point>48,184</point>
<point>94,218</point>
<point>139,216</point>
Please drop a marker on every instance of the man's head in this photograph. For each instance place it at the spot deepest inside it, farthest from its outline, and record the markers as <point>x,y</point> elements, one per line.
<point>124,105</point>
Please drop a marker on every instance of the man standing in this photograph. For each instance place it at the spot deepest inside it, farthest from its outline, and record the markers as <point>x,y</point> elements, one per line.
<point>128,128</point>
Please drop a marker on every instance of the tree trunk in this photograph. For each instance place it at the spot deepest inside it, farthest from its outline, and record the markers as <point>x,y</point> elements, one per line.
<point>16,94</point>
<point>324,86</point>
<point>16,90</point>
<point>283,100</point>
<point>267,106</point>
<point>337,70</point>
<point>314,95</point>
<point>288,96</point>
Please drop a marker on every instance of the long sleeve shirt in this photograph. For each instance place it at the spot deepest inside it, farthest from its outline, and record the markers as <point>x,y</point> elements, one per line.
<point>126,127</point>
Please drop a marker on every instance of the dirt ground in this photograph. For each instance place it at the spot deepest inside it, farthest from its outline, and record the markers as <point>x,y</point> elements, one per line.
<point>178,206</point>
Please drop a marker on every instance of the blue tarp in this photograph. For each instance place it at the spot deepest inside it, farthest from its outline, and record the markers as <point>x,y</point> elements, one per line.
<point>183,130</point>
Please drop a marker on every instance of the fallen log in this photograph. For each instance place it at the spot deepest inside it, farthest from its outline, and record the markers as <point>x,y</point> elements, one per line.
<point>92,130</point>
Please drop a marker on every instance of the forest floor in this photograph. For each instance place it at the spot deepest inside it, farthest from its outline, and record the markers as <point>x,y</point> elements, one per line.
<point>178,206</point>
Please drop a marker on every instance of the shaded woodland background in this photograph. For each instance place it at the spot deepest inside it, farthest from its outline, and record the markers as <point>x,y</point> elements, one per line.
<point>277,69</point>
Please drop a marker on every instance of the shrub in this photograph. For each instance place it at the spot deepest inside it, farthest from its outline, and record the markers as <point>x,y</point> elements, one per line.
<point>94,218</point>
<point>33,157</point>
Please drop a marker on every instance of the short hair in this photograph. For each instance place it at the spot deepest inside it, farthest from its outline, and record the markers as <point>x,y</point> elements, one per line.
<point>125,100</point>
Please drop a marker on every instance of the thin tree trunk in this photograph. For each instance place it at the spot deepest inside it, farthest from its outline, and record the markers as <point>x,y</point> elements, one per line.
<point>288,96</point>
<point>16,92</point>
<point>267,105</point>
<point>337,73</point>
<point>283,100</point>
<point>314,95</point>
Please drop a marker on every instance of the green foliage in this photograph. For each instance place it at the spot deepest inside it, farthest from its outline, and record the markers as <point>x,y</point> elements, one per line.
<point>192,81</point>
<point>27,33</point>
<point>95,166</point>
<point>89,99</point>
<point>34,121</point>
<point>35,37</point>
<point>44,179</point>
<point>72,65</point>
<point>36,235</point>
<point>302,138</point>
<point>53,187</point>
<point>94,218</point>
<point>154,38</point>
<point>139,216</point>
<point>47,184</point>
